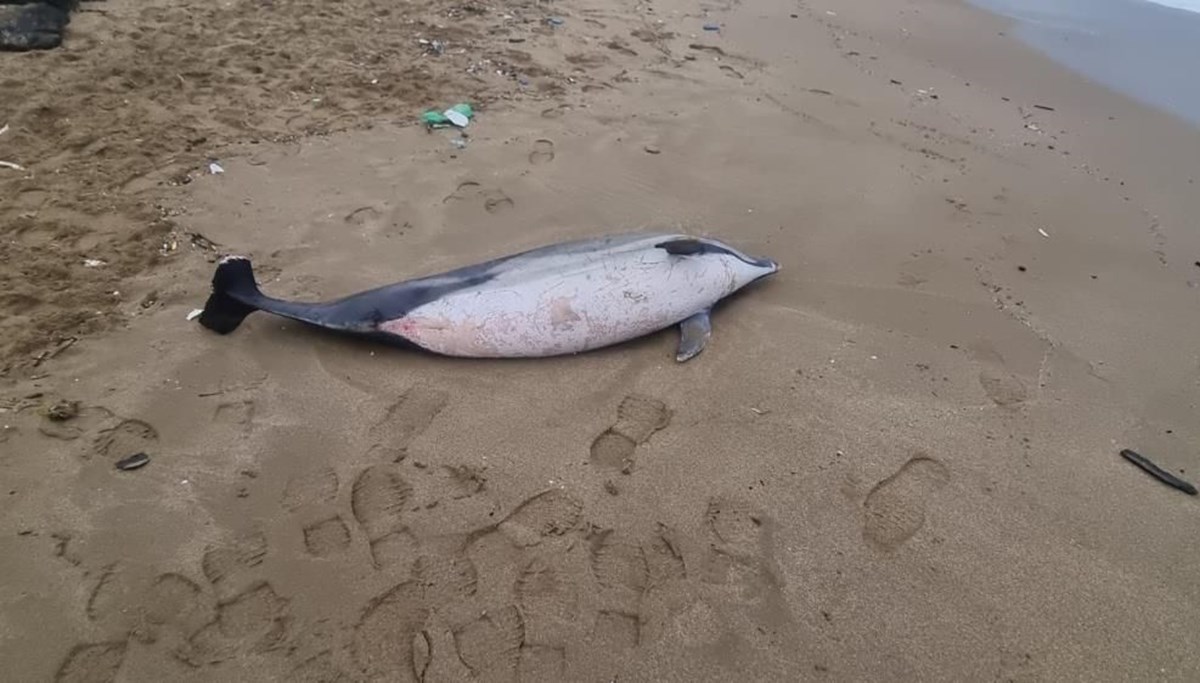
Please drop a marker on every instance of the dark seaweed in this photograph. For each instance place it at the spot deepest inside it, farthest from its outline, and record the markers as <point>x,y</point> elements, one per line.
<point>1158,472</point>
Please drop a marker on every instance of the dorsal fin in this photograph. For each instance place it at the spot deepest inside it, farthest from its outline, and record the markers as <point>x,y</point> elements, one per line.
<point>689,247</point>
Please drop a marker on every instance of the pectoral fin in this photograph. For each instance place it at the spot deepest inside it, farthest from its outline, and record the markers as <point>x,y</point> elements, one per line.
<point>693,336</point>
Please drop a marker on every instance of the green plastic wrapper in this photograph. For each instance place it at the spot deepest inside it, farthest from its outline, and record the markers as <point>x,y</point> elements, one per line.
<point>436,119</point>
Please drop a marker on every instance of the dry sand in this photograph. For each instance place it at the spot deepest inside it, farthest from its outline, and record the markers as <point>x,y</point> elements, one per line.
<point>896,460</point>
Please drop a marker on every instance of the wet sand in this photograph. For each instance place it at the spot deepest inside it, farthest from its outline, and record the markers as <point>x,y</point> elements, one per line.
<point>1138,47</point>
<point>897,459</point>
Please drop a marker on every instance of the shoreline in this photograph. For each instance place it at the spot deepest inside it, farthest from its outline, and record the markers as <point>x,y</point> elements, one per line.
<point>898,458</point>
<point>1137,48</point>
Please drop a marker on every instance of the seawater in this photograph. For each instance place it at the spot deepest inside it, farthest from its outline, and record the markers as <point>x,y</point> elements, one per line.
<point>1146,49</point>
<point>1189,5</point>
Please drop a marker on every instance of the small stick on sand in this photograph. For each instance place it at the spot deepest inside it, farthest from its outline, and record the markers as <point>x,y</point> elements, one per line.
<point>1157,472</point>
<point>9,164</point>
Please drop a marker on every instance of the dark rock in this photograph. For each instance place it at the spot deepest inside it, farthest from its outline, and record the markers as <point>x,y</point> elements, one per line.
<point>27,25</point>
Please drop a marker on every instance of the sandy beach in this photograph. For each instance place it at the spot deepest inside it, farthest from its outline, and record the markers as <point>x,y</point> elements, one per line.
<point>896,460</point>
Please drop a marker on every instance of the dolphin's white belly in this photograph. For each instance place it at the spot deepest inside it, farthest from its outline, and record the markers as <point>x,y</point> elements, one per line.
<point>574,307</point>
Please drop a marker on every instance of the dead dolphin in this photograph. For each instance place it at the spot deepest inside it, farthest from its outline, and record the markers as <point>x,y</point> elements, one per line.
<point>556,299</point>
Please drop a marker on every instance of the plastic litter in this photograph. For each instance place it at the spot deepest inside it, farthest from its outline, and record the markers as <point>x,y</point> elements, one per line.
<point>458,115</point>
<point>433,47</point>
<point>712,27</point>
<point>555,21</point>
<point>215,168</point>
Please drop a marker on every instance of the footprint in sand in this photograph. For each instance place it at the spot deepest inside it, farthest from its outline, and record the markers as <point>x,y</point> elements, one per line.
<point>326,537</point>
<point>588,60</point>
<point>236,414</point>
<point>549,600</point>
<point>363,215</point>
<point>389,639</point>
<point>738,542</point>
<point>629,572</point>
<point>618,45</point>
<point>550,513</point>
<point>741,555</point>
<point>87,419</point>
<point>450,484</point>
<point>1004,388</point>
<point>619,567</point>
<point>320,668</point>
<point>895,507</point>
<point>92,662</point>
<point>314,487</point>
<point>539,663</point>
<point>617,630</point>
<point>126,438</point>
<point>494,200</point>
<point>638,417</point>
<point>255,620</point>
<point>555,112</point>
<point>309,498</point>
<point>447,576</point>
<point>465,480</point>
<point>390,642</point>
<point>618,563</point>
<point>173,600</point>
<point>394,549</point>
<point>543,152</point>
<point>736,524</point>
<point>664,558</point>
<point>490,646</point>
<point>405,420</point>
<point>378,500</point>
<point>142,607</point>
<point>229,568</point>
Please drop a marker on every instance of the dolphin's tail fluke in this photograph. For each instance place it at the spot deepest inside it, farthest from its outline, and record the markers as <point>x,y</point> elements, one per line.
<point>234,296</point>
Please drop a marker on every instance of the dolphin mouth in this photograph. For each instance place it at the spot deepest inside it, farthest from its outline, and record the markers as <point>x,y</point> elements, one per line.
<point>769,267</point>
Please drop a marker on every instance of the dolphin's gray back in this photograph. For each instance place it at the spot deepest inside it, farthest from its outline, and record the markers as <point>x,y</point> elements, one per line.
<point>365,310</point>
